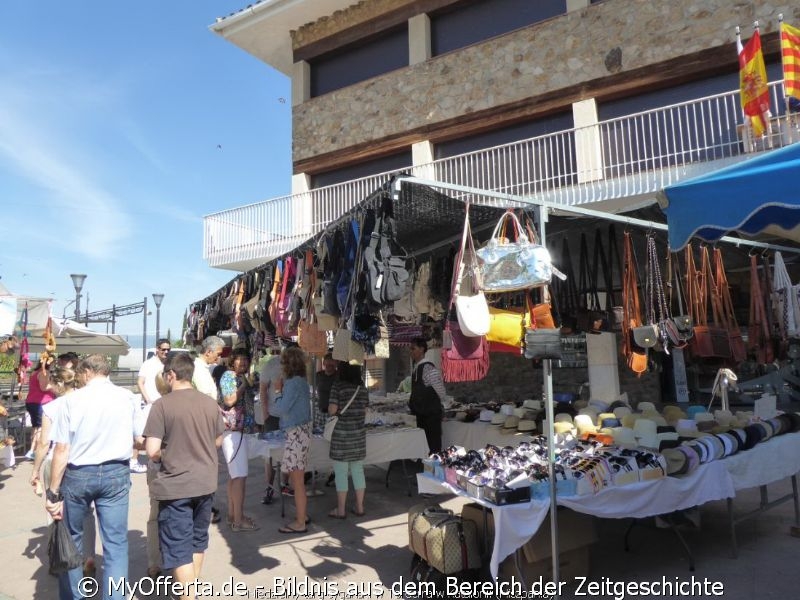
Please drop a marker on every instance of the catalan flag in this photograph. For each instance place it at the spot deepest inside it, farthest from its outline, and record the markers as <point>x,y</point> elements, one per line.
<point>790,52</point>
<point>753,83</point>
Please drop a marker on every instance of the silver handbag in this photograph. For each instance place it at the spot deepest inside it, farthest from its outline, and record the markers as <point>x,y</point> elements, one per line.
<point>511,266</point>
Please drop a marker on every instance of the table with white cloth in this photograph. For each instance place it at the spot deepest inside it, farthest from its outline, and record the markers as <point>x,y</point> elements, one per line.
<point>766,463</point>
<point>384,445</point>
<point>480,433</point>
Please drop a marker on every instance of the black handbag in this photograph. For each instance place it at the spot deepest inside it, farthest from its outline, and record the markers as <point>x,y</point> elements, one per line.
<point>543,343</point>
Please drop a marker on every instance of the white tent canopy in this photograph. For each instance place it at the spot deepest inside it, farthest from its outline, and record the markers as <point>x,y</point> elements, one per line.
<point>70,335</point>
<point>75,337</point>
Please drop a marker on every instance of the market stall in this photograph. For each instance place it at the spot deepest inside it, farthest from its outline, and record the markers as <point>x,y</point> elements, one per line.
<point>342,303</point>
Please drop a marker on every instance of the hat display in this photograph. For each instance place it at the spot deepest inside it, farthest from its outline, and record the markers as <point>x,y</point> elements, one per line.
<point>646,406</point>
<point>621,411</point>
<point>511,422</point>
<point>498,418</point>
<point>563,427</point>
<point>486,415</point>
<point>519,412</point>
<point>526,425</point>
<point>677,462</point>
<point>624,436</point>
<point>532,404</point>
<point>507,409</point>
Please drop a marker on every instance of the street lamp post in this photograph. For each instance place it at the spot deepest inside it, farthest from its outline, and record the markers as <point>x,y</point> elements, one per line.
<point>158,298</point>
<point>77,281</point>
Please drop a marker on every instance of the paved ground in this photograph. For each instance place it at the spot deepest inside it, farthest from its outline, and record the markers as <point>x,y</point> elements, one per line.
<point>373,548</point>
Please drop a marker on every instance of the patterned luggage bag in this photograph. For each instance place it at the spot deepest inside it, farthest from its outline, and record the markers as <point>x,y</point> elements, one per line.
<point>444,540</point>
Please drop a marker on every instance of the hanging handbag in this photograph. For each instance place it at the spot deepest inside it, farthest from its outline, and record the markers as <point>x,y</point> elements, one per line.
<point>510,266</point>
<point>543,343</point>
<point>759,341</point>
<point>614,310</point>
<point>683,321</point>
<point>709,340</point>
<point>636,355</point>
<point>738,350</point>
<point>464,358</point>
<point>330,424</point>
<point>472,310</point>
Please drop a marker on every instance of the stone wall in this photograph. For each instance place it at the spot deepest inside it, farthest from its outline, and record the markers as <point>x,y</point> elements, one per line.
<point>512,378</point>
<point>356,14</point>
<point>584,45</point>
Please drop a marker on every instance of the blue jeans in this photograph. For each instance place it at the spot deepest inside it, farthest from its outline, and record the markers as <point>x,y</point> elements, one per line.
<point>107,487</point>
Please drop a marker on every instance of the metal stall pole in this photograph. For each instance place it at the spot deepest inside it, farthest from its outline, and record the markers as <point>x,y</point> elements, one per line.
<point>547,384</point>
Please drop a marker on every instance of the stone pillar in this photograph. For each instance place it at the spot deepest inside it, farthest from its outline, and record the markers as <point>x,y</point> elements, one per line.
<point>588,147</point>
<point>301,82</point>
<point>301,206</point>
<point>422,159</point>
<point>419,39</point>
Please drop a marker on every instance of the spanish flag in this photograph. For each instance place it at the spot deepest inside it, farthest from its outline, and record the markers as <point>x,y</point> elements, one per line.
<point>753,83</point>
<point>790,52</point>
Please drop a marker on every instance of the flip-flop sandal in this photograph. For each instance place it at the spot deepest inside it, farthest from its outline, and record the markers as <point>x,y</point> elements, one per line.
<point>244,526</point>
<point>287,529</point>
<point>334,514</point>
<point>356,513</point>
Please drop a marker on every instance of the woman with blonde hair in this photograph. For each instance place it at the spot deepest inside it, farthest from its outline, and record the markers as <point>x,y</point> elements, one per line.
<point>62,380</point>
<point>293,406</point>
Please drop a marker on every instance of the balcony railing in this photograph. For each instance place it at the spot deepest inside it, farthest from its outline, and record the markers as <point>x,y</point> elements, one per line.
<point>626,158</point>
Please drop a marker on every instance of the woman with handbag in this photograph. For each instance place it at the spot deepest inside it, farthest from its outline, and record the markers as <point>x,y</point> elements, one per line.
<point>348,402</point>
<point>293,406</point>
<point>237,391</point>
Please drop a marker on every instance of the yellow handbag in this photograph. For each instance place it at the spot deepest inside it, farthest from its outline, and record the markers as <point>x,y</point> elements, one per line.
<point>507,325</point>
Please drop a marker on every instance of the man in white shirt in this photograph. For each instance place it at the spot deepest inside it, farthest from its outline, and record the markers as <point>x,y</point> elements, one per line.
<point>92,437</point>
<point>202,380</point>
<point>150,370</point>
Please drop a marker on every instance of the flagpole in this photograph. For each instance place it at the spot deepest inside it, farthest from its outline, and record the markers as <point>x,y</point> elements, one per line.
<point>767,116</point>
<point>786,108</point>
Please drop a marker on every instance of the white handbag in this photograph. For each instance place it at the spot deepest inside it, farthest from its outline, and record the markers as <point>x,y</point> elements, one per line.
<point>472,310</point>
<point>330,424</point>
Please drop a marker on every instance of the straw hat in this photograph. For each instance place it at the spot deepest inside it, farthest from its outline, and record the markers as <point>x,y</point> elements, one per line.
<point>526,425</point>
<point>486,415</point>
<point>498,418</point>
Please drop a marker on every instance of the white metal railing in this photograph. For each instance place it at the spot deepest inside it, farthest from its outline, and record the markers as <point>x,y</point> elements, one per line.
<point>625,157</point>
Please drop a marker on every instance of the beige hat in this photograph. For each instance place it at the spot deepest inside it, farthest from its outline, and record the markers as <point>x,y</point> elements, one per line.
<point>563,427</point>
<point>486,415</point>
<point>532,404</point>
<point>526,425</point>
<point>624,436</point>
<point>511,422</point>
<point>498,419</point>
<point>645,406</point>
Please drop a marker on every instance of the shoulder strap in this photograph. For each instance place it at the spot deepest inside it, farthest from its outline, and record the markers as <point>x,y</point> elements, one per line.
<point>353,397</point>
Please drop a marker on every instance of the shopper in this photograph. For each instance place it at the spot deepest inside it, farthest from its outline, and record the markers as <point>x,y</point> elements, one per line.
<point>349,399</point>
<point>93,438</point>
<point>293,406</point>
<point>182,435</point>
<point>238,399</point>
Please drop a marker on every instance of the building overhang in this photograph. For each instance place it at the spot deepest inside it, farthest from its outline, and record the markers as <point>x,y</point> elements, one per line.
<point>264,28</point>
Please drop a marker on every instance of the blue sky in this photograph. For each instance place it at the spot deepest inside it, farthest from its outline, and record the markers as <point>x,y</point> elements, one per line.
<point>121,125</point>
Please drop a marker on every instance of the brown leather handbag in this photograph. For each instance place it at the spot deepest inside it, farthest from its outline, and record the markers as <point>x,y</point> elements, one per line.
<point>738,350</point>
<point>632,314</point>
<point>710,340</point>
<point>759,341</point>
